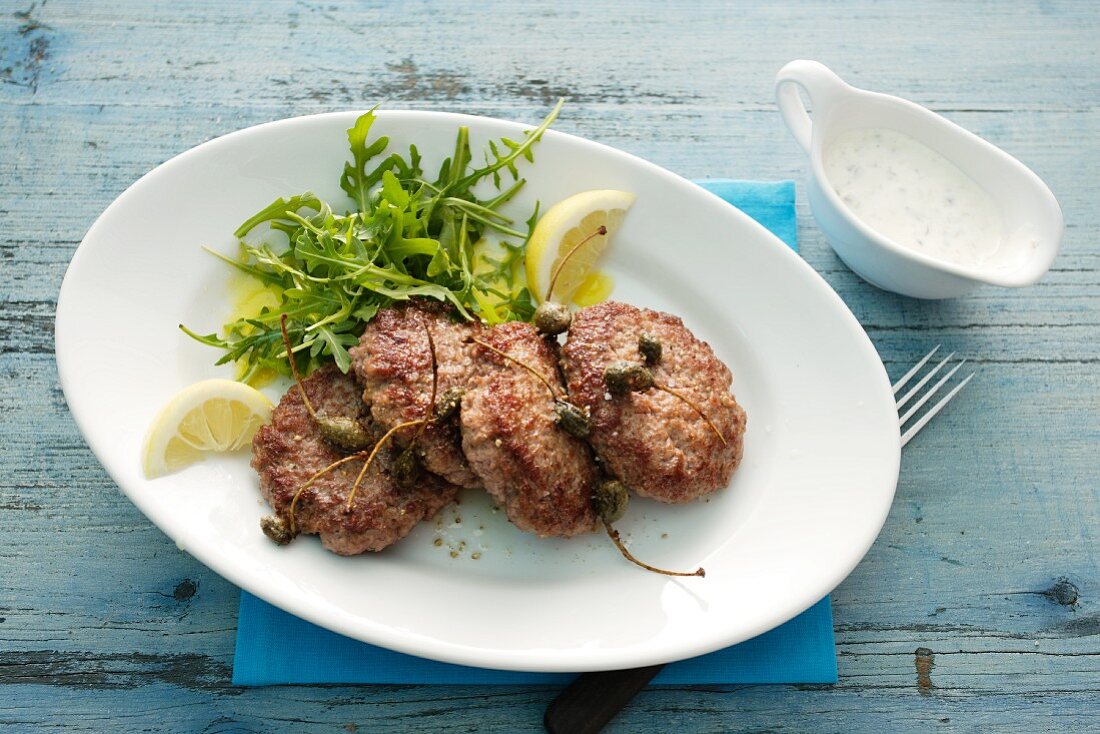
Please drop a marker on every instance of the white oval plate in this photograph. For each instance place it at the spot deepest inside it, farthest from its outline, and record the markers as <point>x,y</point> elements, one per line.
<point>821,455</point>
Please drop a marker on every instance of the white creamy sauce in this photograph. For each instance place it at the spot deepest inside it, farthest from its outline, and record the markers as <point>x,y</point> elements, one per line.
<point>914,196</point>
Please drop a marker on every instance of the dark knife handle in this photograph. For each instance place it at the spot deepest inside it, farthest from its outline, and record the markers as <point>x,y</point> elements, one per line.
<point>593,699</point>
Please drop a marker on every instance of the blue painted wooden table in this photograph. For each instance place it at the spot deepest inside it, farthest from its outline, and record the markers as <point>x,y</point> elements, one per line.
<point>978,607</point>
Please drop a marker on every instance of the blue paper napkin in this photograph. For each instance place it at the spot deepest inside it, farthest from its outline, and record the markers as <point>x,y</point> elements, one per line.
<point>274,647</point>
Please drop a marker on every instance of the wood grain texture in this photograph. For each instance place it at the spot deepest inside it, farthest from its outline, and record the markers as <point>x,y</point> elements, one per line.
<point>977,609</point>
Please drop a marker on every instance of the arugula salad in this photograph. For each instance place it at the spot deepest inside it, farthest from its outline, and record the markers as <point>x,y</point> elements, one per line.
<point>409,234</point>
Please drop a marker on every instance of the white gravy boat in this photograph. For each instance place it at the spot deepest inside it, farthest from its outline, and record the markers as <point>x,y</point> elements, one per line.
<point>1032,220</point>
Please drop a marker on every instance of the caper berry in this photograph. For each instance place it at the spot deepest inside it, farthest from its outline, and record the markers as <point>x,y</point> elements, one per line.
<point>650,348</point>
<point>345,432</point>
<point>552,318</point>
<point>449,404</point>
<point>572,419</point>
<point>276,528</point>
<point>406,467</point>
<point>610,500</point>
<point>624,377</point>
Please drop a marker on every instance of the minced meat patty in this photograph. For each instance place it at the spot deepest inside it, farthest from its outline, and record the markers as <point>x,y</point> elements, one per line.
<point>654,442</point>
<point>394,363</point>
<point>539,474</point>
<point>291,449</point>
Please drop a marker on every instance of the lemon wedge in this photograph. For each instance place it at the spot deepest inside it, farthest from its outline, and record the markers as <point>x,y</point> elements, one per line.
<point>207,417</point>
<point>565,245</point>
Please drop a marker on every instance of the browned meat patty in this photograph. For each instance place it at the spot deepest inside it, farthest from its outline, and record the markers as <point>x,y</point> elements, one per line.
<point>539,474</point>
<point>654,442</point>
<point>394,363</point>
<point>291,449</point>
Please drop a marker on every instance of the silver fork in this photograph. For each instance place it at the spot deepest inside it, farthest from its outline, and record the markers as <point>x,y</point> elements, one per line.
<point>593,699</point>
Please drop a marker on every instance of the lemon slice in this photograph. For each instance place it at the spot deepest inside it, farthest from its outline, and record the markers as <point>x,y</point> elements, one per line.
<point>565,233</point>
<point>207,417</point>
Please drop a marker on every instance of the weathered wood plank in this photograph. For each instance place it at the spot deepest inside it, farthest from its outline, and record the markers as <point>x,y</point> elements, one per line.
<point>988,562</point>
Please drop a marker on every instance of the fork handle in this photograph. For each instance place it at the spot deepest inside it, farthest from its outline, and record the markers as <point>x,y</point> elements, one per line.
<point>593,699</point>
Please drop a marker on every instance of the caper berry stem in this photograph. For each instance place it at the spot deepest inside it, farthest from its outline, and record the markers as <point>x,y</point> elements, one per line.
<point>521,363</point>
<point>614,535</point>
<point>374,452</point>
<point>435,385</point>
<point>601,230</point>
<point>292,518</point>
<point>309,483</point>
<point>422,422</point>
<point>694,407</point>
<point>294,367</point>
<point>624,377</point>
<point>344,431</point>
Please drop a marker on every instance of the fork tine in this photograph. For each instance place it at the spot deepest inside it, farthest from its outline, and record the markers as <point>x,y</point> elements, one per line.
<point>923,381</point>
<point>915,429</point>
<point>909,375</point>
<point>932,391</point>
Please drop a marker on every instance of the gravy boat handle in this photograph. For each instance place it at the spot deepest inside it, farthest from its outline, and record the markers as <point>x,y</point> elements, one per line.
<point>822,86</point>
